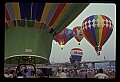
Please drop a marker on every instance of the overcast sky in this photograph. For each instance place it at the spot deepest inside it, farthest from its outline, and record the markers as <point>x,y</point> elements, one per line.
<point>109,48</point>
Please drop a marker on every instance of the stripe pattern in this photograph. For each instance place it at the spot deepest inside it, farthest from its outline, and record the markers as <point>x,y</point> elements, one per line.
<point>97,30</point>
<point>76,55</point>
<point>53,17</point>
<point>63,37</point>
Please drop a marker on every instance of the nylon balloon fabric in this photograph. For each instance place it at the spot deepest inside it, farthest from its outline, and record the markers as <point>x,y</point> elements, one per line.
<point>97,30</point>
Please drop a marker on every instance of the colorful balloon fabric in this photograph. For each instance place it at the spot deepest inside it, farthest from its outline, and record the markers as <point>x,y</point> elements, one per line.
<point>79,33</point>
<point>97,30</point>
<point>53,17</point>
<point>76,55</point>
<point>63,37</point>
<point>31,27</point>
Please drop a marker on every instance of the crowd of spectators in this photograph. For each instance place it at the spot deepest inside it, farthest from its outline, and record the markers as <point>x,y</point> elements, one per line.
<point>63,73</point>
<point>82,73</point>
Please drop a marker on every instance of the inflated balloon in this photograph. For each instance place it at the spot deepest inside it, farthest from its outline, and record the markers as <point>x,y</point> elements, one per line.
<point>79,33</point>
<point>76,55</point>
<point>63,37</point>
<point>49,16</point>
<point>97,30</point>
<point>31,27</point>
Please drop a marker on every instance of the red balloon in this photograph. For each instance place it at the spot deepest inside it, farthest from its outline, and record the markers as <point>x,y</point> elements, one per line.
<point>97,30</point>
<point>79,33</point>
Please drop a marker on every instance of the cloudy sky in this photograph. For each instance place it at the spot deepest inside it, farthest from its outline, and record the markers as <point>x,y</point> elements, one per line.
<point>109,48</point>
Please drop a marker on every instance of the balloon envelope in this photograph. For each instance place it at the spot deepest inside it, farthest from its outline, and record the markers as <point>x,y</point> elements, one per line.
<point>76,55</point>
<point>30,28</point>
<point>97,30</point>
<point>79,33</point>
<point>63,37</point>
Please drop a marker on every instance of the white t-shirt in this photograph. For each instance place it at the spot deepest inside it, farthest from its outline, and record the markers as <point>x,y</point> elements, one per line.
<point>10,75</point>
<point>6,75</point>
<point>101,76</point>
<point>20,77</point>
<point>62,75</point>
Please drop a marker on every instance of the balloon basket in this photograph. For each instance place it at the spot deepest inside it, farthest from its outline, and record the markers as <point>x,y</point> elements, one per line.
<point>98,53</point>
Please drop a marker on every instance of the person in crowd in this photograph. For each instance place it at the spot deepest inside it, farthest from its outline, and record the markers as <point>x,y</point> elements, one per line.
<point>92,73</point>
<point>19,75</point>
<point>14,74</point>
<point>63,74</point>
<point>57,73</point>
<point>33,74</point>
<point>26,74</point>
<point>11,74</point>
<point>71,74</point>
<point>6,74</point>
<point>81,74</point>
<point>101,75</point>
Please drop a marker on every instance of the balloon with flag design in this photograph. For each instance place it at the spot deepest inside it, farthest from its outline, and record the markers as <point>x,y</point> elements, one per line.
<point>97,30</point>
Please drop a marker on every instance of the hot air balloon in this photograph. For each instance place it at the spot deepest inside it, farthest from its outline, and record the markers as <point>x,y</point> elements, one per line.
<point>97,30</point>
<point>63,37</point>
<point>76,55</point>
<point>79,33</point>
<point>30,29</point>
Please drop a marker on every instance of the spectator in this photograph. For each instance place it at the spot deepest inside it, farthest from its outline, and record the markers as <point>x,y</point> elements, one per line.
<point>26,74</point>
<point>11,74</point>
<point>33,74</point>
<point>19,75</point>
<point>101,75</point>
<point>62,74</point>
<point>6,74</point>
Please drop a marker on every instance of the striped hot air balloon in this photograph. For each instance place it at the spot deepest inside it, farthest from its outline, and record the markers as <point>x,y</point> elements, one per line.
<point>63,37</point>
<point>97,30</point>
<point>30,28</point>
<point>76,55</point>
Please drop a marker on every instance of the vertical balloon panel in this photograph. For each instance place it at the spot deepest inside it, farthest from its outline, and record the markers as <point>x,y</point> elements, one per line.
<point>63,37</point>
<point>97,29</point>
<point>32,26</point>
